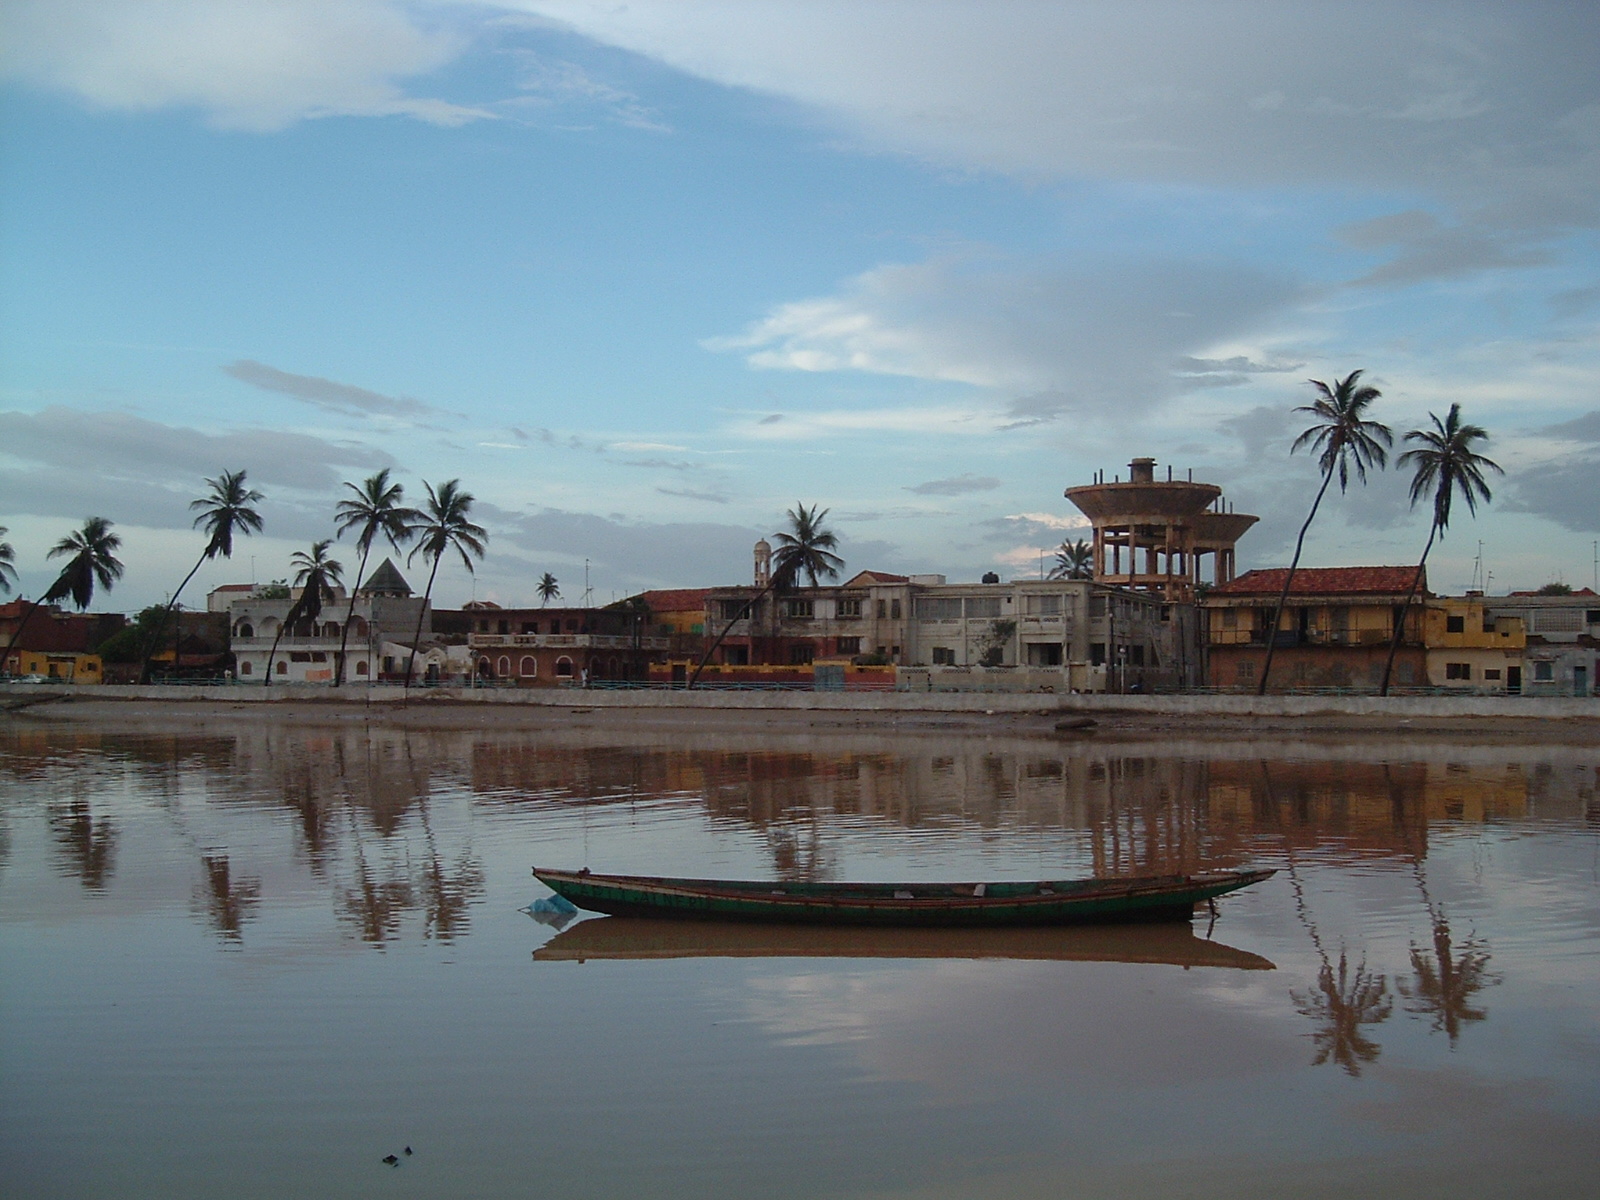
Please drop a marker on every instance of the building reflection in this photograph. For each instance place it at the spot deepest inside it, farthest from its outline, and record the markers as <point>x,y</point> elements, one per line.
<point>226,899</point>
<point>87,843</point>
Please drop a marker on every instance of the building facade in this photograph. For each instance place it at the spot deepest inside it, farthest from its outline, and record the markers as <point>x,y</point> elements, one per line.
<point>1562,656</point>
<point>1470,648</point>
<point>553,647</point>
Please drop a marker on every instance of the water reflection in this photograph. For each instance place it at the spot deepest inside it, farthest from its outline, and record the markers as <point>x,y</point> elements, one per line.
<point>1343,1001</point>
<point>227,901</point>
<point>88,843</point>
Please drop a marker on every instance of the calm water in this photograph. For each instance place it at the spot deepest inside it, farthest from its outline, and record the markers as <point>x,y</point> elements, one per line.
<point>252,959</point>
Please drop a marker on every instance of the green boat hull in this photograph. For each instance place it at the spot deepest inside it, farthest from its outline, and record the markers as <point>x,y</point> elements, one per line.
<point>1050,902</point>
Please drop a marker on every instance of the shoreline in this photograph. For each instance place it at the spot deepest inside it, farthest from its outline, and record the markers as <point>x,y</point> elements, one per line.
<point>1034,716</point>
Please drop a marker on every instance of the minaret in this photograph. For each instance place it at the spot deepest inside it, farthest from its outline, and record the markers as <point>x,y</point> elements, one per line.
<point>763,563</point>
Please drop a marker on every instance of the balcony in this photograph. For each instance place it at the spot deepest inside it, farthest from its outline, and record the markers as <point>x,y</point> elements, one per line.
<point>565,641</point>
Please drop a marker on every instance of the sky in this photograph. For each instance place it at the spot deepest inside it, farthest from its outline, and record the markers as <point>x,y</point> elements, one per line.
<point>646,276</point>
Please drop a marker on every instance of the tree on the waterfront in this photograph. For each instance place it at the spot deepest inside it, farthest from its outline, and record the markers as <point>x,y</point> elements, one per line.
<point>227,510</point>
<point>8,561</point>
<point>1344,441</point>
<point>91,554</point>
<point>377,510</point>
<point>315,575</point>
<point>444,525</point>
<point>805,548</point>
<point>1444,463</point>
<point>1074,560</point>
<point>549,589</point>
<point>1549,589</point>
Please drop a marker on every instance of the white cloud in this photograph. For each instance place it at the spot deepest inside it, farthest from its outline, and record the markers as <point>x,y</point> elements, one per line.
<point>1105,336</point>
<point>944,420</point>
<point>247,64</point>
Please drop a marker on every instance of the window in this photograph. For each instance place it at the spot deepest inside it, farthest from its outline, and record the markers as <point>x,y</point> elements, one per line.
<point>331,629</point>
<point>883,609</point>
<point>1042,606</point>
<point>319,656</point>
<point>849,609</point>
<point>530,627</point>
<point>849,645</point>
<point>245,669</point>
<point>1491,673</point>
<point>1592,616</point>
<point>1455,624</point>
<point>299,656</point>
<point>728,610</point>
<point>800,656</point>
<point>503,667</point>
<point>245,631</point>
<point>1097,654</point>
<point>983,607</point>
<point>503,627</point>
<point>798,610</point>
<point>564,667</point>
<point>1044,654</point>
<point>483,627</point>
<point>1097,606</point>
<point>1245,671</point>
<point>528,667</point>
<point>1488,623</point>
<point>361,666</point>
<point>943,656</point>
<point>1136,655</point>
<point>1457,670</point>
<point>1544,672</point>
<point>283,667</point>
<point>894,609</point>
<point>938,608</point>
<point>1230,618</point>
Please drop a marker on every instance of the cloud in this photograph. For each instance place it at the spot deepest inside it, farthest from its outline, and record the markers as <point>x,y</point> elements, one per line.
<point>639,553</point>
<point>1426,249</point>
<point>567,87</point>
<point>1089,337</point>
<point>959,485</point>
<point>343,398</point>
<point>685,493</point>
<point>1581,429</point>
<point>68,463</point>
<point>1564,488</point>
<point>246,65</point>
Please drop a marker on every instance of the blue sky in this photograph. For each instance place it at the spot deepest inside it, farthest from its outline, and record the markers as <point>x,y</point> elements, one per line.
<point>644,276</point>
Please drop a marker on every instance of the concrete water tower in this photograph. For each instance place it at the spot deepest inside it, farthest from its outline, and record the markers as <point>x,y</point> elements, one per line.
<point>1155,535</point>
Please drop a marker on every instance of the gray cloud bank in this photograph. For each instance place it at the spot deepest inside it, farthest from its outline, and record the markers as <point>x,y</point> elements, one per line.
<point>343,398</point>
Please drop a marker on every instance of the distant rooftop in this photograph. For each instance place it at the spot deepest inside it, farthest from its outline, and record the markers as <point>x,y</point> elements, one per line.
<point>1325,581</point>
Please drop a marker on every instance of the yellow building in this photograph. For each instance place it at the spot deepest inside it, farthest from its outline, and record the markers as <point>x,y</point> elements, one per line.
<point>1471,650</point>
<point>58,666</point>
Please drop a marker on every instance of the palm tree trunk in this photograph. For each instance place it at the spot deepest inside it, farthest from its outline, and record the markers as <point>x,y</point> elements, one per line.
<point>344,634</point>
<point>271,653</point>
<point>1400,622</point>
<point>726,629</point>
<point>154,643</point>
<point>422,612</point>
<point>17,636</point>
<point>1288,580</point>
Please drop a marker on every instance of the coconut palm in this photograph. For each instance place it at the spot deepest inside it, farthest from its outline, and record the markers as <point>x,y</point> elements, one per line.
<point>549,589</point>
<point>228,510</point>
<point>315,575</point>
<point>8,560</point>
<point>1345,442</point>
<point>805,549</point>
<point>443,525</point>
<point>378,510</point>
<point>1445,464</point>
<point>1074,560</point>
<point>92,558</point>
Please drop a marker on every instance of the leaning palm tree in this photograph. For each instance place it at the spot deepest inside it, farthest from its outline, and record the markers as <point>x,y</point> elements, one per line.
<point>549,589</point>
<point>1074,560</point>
<point>315,575</point>
<point>1344,441</point>
<point>1445,463</point>
<point>92,558</point>
<point>806,548</point>
<point>378,510</point>
<point>443,525</point>
<point>8,563</point>
<point>226,511</point>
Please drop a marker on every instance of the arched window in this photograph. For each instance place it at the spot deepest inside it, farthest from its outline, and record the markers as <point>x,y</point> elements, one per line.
<point>331,629</point>
<point>358,627</point>
<point>244,630</point>
<point>564,667</point>
<point>485,670</point>
<point>503,667</point>
<point>361,666</point>
<point>528,667</point>
<point>245,668</point>
<point>283,667</point>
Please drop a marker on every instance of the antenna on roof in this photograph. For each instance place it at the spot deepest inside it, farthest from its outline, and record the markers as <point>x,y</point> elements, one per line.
<point>588,592</point>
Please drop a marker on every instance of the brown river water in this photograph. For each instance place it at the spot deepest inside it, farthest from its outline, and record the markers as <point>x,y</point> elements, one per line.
<point>252,959</point>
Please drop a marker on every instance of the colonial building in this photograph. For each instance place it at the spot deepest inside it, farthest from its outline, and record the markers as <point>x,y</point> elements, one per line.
<point>549,647</point>
<point>385,611</point>
<point>865,617</point>
<point>1334,631</point>
<point>55,644</point>
<point>1562,657</point>
<point>1471,648</point>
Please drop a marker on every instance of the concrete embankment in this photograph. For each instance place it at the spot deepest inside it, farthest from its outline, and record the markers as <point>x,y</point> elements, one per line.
<point>1170,707</point>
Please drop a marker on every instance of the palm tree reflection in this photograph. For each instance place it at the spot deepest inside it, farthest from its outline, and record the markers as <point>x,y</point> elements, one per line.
<point>89,843</point>
<point>228,903</point>
<point>1446,982</point>
<point>1342,1003</point>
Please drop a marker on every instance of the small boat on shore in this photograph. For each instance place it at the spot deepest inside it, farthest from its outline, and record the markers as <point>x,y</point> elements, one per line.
<point>634,938</point>
<point>988,904</point>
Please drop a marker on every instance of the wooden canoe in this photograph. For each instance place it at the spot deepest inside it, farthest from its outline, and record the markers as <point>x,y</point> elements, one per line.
<point>989,904</point>
<point>633,938</point>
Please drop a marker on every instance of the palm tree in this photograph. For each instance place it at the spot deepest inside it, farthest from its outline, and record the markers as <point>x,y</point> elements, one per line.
<point>806,549</point>
<point>1445,463</point>
<point>1344,441</point>
<point>226,511</point>
<point>93,558</point>
<point>315,575</point>
<point>442,526</point>
<point>548,589</point>
<point>1074,560</point>
<point>377,510</point>
<point>8,560</point>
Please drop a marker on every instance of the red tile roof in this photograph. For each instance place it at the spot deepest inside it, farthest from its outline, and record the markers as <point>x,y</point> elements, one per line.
<point>676,599</point>
<point>1326,581</point>
<point>875,577</point>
